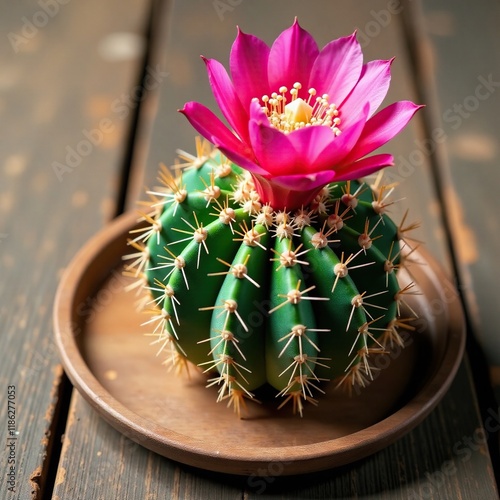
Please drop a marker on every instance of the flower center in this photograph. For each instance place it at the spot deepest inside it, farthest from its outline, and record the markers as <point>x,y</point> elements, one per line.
<point>287,111</point>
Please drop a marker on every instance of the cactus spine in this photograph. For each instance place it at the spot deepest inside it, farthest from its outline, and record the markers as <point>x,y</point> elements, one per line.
<point>254,296</point>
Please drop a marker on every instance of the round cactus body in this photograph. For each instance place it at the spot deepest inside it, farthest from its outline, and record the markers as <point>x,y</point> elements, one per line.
<point>257,297</point>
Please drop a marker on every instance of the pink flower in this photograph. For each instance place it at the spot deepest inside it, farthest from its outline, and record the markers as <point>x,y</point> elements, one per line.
<point>300,117</point>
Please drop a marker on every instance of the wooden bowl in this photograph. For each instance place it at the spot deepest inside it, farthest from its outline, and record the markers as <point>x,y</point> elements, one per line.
<point>112,363</point>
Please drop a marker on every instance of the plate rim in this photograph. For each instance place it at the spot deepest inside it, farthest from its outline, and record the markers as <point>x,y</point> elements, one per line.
<point>296,459</point>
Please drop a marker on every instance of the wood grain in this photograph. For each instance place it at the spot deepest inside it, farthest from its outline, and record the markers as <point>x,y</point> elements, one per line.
<point>109,462</point>
<point>456,55</point>
<point>420,465</point>
<point>55,85</point>
<point>458,51</point>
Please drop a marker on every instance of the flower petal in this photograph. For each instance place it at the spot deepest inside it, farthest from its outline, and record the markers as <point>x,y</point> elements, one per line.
<point>375,82</point>
<point>364,167</point>
<point>282,197</point>
<point>227,98</point>
<point>240,160</point>
<point>273,149</point>
<point>211,127</point>
<point>291,58</point>
<point>305,182</point>
<point>308,143</point>
<point>337,68</point>
<point>372,87</point>
<point>248,64</point>
<point>382,127</point>
<point>333,154</point>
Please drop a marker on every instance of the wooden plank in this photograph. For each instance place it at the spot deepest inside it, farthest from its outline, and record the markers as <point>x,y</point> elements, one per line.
<point>148,111</point>
<point>96,461</point>
<point>423,456</point>
<point>104,457</point>
<point>100,463</point>
<point>456,49</point>
<point>462,47</point>
<point>60,162</point>
<point>421,465</point>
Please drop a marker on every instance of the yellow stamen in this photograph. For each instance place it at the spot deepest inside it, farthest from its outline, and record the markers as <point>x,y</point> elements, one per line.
<point>292,113</point>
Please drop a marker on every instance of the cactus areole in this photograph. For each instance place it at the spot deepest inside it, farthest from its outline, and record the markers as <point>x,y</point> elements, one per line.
<point>266,260</point>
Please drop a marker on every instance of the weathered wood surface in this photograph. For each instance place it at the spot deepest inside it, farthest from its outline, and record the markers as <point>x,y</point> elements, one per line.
<point>61,71</point>
<point>98,462</point>
<point>51,91</point>
<point>459,51</point>
<point>456,55</point>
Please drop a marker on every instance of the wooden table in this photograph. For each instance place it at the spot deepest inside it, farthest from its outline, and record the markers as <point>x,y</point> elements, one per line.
<point>80,138</point>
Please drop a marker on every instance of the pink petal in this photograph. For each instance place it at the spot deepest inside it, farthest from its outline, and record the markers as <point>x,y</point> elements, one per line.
<point>242,161</point>
<point>272,148</point>
<point>269,191</point>
<point>283,197</point>
<point>309,142</point>
<point>305,182</point>
<point>364,167</point>
<point>248,63</point>
<point>291,58</point>
<point>372,87</point>
<point>227,98</point>
<point>211,127</point>
<point>337,68</point>
<point>382,127</point>
<point>342,145</point>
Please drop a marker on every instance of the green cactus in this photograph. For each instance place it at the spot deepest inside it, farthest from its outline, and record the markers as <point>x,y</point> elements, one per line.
<point>253,296</point>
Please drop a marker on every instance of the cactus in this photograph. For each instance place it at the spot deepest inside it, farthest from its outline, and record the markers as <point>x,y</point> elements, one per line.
<point>267,261</point>
<point>255,296</point>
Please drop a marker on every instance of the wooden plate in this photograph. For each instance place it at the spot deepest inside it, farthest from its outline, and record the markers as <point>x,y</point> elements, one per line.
<point>112,363</point>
